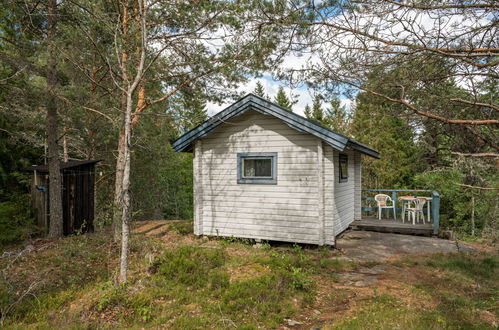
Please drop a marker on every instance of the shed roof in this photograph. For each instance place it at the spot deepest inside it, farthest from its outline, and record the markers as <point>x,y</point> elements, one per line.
<point>293,120</point>
<point>64,165</point>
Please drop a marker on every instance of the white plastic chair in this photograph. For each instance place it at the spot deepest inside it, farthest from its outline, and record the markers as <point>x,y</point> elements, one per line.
<point>383,203</point>
<point>415,211</point>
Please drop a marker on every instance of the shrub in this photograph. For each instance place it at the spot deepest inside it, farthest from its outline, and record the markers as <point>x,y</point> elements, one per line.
<point>16,221</point>
<point>261,296</point>
<point>189,265</point>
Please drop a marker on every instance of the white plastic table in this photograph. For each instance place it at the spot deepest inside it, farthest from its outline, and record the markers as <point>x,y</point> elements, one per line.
<point>408,199</point>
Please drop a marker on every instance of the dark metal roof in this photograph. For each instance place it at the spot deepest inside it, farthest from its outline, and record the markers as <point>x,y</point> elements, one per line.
<point>66,165</point>
<point>293,120</point>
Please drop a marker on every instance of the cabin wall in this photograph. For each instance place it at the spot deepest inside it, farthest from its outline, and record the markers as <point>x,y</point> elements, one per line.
<point>286,211</point>
<point>358,185</point>
<point>340,202</point>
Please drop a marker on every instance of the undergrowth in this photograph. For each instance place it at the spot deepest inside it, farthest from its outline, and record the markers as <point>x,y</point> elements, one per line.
<point>195,281</point>
<point>230,284</point>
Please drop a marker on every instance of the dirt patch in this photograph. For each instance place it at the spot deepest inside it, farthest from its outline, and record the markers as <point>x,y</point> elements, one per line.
<point>145,226</point>
<point>159,231</point>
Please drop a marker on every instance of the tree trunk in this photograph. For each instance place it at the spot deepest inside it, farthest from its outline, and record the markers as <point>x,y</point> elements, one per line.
<point>65,153</point>
<point>125,210</point>
<point>472,215</point>
<point>118,188</point>
<point>120,161</point>
<point>55,192</point>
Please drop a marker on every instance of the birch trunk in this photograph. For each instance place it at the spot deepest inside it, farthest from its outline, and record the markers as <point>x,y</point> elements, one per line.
<point>118,188</point>
<point>127,133</point>
<point>125,212</point>
<point>55,192</point>
<point>120,160</point>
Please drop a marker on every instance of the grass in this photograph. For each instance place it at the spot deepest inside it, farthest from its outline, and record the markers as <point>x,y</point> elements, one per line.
<point>189,283</point>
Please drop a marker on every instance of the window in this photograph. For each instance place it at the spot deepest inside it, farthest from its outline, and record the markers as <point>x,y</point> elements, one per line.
<point>343,166</point>
<point>257,167</point>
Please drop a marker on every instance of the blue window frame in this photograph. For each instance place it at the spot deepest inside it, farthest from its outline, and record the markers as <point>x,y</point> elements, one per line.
<point>257,168</point>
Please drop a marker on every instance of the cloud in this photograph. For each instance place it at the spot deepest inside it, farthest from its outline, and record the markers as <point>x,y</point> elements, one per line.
<point>271,86</point>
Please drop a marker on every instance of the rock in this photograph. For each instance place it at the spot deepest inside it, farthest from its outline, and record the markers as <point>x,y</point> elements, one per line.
<point>292,323</point>
<point>316,312</point>
<point>365,282</point>
<point>376,270</point>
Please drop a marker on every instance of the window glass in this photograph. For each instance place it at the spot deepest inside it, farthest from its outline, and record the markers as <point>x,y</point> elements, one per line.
<point>257,167</point>
<point>343,160</point>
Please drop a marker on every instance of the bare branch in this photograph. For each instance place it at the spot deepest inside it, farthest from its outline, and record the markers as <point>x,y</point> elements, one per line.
<point>475,187</point>
<point>487,105</point>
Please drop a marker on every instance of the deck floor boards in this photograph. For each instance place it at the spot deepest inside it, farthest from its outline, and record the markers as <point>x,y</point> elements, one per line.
<point>393,226</point>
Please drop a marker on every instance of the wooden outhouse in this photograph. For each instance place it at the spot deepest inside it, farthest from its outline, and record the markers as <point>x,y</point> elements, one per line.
<point>263,172</point>
<point>78,181</point>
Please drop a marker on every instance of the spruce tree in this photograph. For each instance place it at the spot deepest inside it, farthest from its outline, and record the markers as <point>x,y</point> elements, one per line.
<point>260,91</point>
<point>317,111</point>
<point>282,100</point>
<point>308,112</point>
<point>337,117</point>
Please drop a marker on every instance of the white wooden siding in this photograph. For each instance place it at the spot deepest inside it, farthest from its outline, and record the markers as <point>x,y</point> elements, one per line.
<point>339,196</point>
<point>329,181</point>
<point>287,211</point>
<point>320,199</point>
<point>198,193</point>
<point>358,185</point>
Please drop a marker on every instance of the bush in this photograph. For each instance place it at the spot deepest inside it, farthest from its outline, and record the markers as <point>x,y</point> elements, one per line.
<point>16,220</point>
<point>189,265</point>
<point>261,296</point>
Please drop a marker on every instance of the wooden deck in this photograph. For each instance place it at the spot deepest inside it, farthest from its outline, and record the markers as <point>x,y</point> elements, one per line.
<point>393,226</point>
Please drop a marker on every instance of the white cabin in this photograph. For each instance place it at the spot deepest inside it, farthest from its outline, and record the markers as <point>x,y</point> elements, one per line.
<point>263,172</point>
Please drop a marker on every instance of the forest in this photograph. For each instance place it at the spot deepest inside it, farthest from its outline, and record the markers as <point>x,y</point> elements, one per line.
<point>430,111</point>
<point>119,80</point>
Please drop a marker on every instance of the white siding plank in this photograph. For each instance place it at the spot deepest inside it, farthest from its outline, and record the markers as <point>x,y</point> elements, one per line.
<point>286,211</point>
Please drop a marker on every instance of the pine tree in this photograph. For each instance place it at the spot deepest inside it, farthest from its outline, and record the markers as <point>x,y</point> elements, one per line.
<point>56,217</point>
<point>260,90</point>
<point>282,100</point>
<point>188,109</point>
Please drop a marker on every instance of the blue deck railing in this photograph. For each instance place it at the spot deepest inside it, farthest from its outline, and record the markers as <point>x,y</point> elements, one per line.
<point>369,205</point>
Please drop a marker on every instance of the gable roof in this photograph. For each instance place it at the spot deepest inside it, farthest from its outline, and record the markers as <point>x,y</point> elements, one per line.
<point>293,120</point>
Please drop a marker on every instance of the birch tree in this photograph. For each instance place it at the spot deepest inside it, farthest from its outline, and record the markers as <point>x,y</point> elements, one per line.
<point>209,47</point>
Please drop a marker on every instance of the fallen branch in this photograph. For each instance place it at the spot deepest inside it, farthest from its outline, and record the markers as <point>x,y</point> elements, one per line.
<point>479,154</point>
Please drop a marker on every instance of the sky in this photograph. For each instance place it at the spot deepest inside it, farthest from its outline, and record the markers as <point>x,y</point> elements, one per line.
<point>302,94</point>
